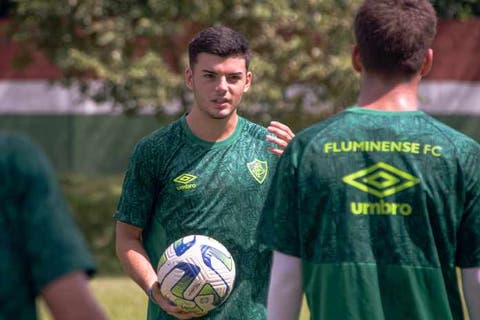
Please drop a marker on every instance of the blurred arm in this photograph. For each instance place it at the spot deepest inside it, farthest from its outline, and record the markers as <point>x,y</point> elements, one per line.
<point>285,290</point>
<point>471,291</point>
<point>70,298</point>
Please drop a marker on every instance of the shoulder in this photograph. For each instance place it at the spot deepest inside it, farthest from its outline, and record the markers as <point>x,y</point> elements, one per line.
<point>311,139</point>
<point>463,143</point>
<point>17,150</point>
<point>252,129</point>
<point>16,143</point>
<point>322,130</point>
<point>255,134</point>
<point>22,163</point>
<point>162,134</point>
<point>159,139</point>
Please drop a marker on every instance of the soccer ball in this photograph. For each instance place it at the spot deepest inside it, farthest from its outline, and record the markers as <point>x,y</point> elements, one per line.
<point>196,273</point>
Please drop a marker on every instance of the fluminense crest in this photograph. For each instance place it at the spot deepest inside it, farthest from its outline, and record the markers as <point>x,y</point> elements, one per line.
<point>258,169</point>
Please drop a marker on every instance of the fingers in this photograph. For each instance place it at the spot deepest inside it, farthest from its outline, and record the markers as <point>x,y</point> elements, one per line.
<point>169,307</point>
<point>282,144</point>
<point>179,313</point>
<point>276,151</point>
<point>282,135</point>
<point>281,130</point>
<point>187,315</point>
<point>197,315</point>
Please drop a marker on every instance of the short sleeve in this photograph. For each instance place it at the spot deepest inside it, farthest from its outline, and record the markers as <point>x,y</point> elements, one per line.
<point>136,204</point>
<point>279,225</point>
<point>53,244</point>
<point>468,253</point>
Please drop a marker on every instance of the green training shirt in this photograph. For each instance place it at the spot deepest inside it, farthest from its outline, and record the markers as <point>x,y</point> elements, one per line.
<point>381,207</point>
<point>177,185</point>
<point>38,239</point>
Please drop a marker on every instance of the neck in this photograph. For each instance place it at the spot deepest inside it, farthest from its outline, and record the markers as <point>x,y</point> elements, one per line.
<point>211,129</point>
<point>386,94</point>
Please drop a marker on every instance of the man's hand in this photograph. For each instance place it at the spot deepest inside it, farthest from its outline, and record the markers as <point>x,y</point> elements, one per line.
<point>282,136</point>
<point>169,307</point>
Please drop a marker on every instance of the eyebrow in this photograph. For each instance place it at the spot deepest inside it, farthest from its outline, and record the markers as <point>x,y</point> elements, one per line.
<point>230,74</point>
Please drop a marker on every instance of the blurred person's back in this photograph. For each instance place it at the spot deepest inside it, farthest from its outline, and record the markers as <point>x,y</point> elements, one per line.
<point>42,252</point>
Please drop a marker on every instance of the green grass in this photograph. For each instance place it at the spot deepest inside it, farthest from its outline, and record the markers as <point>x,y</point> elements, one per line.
<point>122,299</point>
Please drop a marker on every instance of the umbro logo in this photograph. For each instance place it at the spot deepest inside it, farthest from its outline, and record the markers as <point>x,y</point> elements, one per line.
<point>381,180</point>
<point>185,181</point>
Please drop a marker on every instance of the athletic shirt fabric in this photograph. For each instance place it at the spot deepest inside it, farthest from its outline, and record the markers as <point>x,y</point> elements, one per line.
<point>177,185</point>
<point>381,207</point>
<point>39,242</point>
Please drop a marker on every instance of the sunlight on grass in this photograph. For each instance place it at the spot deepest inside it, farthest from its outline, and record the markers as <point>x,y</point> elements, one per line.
<point>122,299</point>
<point>304,314</point>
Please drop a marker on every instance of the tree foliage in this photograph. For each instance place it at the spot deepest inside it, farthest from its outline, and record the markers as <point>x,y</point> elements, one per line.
<point>457,9</point>
<point>137,49</point>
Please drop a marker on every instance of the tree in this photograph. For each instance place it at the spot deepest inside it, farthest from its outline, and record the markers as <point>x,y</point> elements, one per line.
<point>137,49</point>
<point>457,9</point>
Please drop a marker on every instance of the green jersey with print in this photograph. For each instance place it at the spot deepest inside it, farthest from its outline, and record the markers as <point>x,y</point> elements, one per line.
<point>38,240</point>
<point>380,207</point>
<point>178,185</point>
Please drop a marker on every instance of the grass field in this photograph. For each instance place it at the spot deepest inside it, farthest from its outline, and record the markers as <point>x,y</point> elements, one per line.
<point>122,299</point>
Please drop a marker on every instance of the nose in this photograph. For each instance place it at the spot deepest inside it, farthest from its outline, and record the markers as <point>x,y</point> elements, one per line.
<point>221,84</point>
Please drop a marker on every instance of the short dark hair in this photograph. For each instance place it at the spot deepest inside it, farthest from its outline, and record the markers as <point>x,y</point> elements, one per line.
<point>393,36</point>
<point>220,41</point>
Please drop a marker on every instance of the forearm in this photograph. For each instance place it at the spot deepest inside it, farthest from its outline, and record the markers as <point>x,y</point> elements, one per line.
<point>285,290</point>
<point>471,290</point>
<point>69,298</point>
<point>136,264</point>
<point>134,259</point>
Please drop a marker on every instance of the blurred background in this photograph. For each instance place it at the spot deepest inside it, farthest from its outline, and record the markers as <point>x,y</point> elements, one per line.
<point>85,79</point>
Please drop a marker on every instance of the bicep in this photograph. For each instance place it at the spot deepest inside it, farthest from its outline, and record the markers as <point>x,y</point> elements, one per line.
<point>126,234</point>
<point>128,243</point>
<point>127,231</point>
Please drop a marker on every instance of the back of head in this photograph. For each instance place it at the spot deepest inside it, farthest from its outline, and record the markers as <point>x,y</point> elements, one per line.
<point>393,36</point>
<point>220,41</point>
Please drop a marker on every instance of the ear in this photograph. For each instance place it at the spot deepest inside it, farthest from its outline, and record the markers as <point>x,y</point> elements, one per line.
<point>356,61</point>
<point>188,78</point>
<point>427,63</point>
<point>248,81</point>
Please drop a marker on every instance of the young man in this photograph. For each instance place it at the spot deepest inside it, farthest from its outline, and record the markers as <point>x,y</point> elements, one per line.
<point>370,211</point>
<point>41,250</point>
<point>207,173</point>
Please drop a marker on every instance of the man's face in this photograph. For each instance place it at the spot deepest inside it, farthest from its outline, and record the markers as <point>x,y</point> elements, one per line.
<point>218,84</point>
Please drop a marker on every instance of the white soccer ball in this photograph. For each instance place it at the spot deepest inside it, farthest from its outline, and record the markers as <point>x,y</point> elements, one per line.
<point>196,273</point>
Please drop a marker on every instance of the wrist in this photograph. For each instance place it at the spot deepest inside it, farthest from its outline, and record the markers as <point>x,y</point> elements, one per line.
<point>150,293</point>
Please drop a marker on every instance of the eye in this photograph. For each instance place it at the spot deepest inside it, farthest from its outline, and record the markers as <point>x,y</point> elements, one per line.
<point>234,78</point>
<point>209,76</point>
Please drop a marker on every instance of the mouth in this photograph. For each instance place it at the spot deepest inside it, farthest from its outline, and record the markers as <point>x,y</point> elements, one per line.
<point>220,101</point>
